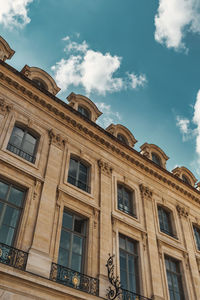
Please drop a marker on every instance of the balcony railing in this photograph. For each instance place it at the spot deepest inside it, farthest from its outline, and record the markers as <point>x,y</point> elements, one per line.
<point>21,153</point>
<point>127,295</point>
<point>13,257</point>
<point>74,279</point>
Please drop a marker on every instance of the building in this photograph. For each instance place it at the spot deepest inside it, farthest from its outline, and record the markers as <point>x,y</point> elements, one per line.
<point>72,195</point>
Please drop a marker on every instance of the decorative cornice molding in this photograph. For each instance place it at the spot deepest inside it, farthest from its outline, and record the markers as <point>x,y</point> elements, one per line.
<point>182,211</point>
<point>105,167</point>
<point>4,107</point>
<point>56,139</point>
<point>103,141</point>
<point>146,192</point>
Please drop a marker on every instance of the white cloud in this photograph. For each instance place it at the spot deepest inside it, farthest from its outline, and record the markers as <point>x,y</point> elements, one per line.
<point>108,115</point>
<point>92,70</point>
<point>14,13</point>
<point>196,120</point>
<point>173,19</point>
<point>183,124</point>
<point>137,80</point>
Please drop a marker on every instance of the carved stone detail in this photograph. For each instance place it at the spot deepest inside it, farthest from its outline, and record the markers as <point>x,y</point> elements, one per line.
<point>182,211</point>
<point>56,139</point>
<point>4,107</point>
<point>36,189</point>
<point>96,215</point>
<point>144,239</point>
<point>146,192</point>
<point>198,263</point>
<point>186,256</point>
<point>105,167</point>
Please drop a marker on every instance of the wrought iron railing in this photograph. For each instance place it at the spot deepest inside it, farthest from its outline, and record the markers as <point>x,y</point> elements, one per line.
<point>170,233</point>
<point>13,257</point>
<point>127,295</point>
<point>74,279</point>
<point>21,153</point>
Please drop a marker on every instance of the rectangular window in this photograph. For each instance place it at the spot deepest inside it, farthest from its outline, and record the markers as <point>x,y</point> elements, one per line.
<point>174,278</point>
<point>165,221</point>
<point>78,174</point>
<point>125,200</point>
<point>11,202</point>
<point>197,236</point>
<point>72,242</point>
<point>129,273</point>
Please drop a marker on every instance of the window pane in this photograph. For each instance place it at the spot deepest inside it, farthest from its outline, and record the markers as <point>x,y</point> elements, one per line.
<point>6,235</point>
<point>65,239</point>
<point>77,245</point>
<point>73,168</point>
<point>76,262</point>
<point>11,216</point>
<point>79,226</point>
<point>174,279</point>
<point>16,137</point>
<point>63,258</point>
<point>28,147</point>
<point>67,220</point>
<point>3,190</point>
<point>16,196</point>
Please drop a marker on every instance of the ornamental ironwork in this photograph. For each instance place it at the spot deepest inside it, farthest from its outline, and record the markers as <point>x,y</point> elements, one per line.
<point>74,279</point>
<point>13,257</point>
<point>114,291</point>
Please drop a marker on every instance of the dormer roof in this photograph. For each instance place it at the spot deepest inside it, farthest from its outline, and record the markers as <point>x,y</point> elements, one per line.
<point>5,51</point>
<point>151,150</point>
<point>185,174</point>
<point>119,130</point>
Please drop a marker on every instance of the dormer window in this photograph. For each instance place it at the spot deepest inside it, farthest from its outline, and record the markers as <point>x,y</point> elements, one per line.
<point>40,83</point>
<point>185,179</point>
<point>85,112</point>
<point>156,159</point>
<point>122,138</point>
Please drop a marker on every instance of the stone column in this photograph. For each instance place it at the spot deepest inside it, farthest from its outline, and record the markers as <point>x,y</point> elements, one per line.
<point>190,259</point>
<point>147,197</point>
<point>105,244</point>
<point>39,260</point>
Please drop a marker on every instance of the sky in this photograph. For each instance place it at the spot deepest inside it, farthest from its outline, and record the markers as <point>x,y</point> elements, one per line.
<point>138,60</point>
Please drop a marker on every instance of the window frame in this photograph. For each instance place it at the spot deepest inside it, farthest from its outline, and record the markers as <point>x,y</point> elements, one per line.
<point>26,130</point>
<point>177,273</point>
<point>122,138</point>
<point>88,181</point>
<point>85,109</point>
<point>197,240</point>
<point>72,233</point>
<point>131,192</point>
<point>135,255</point>
<point>169,214</point>
<point>158,160</point>
<point>21,208</point>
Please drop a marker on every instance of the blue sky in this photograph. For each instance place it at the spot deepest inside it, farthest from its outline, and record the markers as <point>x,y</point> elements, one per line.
<point>138,60</point>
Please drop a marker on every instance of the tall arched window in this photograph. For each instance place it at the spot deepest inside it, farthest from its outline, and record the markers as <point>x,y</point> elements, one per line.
<point>156,159</point>
<point>78,174</point>
<point>23,143</point>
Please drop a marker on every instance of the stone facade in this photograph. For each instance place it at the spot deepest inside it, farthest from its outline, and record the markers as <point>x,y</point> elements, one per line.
<point>63,133</point>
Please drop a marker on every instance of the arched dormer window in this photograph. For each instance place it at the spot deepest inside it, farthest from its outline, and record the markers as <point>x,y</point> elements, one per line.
<point>185,174</point>
<point>122,138</point>
<point>156,159</point>
<point>40,83</point>
<point>84,111</point>
<point>23,142</point>
<point>186,179</point>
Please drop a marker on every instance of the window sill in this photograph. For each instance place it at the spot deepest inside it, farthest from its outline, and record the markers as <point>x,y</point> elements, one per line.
<point>72,190</point>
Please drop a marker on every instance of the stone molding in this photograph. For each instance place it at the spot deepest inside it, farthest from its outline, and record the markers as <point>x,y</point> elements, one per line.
<point>105,167</point>
<point>182,211</point>
<point>103,141</point>
<point>146,192</point>
<point>4,107</point>
<point>56,139</point>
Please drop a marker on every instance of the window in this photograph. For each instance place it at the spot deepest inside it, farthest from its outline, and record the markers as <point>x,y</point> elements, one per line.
<point>122,138</point>
<point>11,202</point>
<point>125,200</point>
<point>129,273</point>
<point>174,279</point>
<point>84,111</point>
<point>165,220</point>
<point>23,143</point>
<point>72,242</point>
<point>40,83</point>
<point>78,174</point>
<point>197,236</point>
<point>156,159</point>
<point>185,179</point>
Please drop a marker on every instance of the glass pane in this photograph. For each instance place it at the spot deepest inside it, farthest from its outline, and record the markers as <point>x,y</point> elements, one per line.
<point>73,168</point>
<point>63,258</point>
<point>11,216</point>
<point>123,279</point>
<point>67,221</point>
<point>28,147</point>
<point>16,196</point>
<point>6,235</point>
<point>130,246</point>
<point>77,245</point>
<point>123,261</point>
<point>65,239</point>
<point>3,190</point>
<point>79,226</point>
<point>16,137</point>
<point>122,242</point>
<point>76,262</point>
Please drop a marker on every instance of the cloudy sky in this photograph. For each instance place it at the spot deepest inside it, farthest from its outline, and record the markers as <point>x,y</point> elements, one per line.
<point>138,60</point>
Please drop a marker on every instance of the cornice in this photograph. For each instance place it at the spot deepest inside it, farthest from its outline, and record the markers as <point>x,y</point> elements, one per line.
<point>64,116</point>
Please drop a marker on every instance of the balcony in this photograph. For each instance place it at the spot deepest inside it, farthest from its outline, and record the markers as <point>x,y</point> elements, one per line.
<point>73,279</point>
<point>21,153</point>
<point>13,257</point>
<point>127,295</point>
